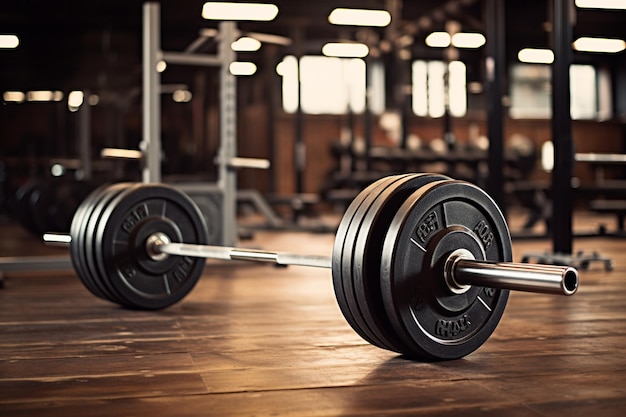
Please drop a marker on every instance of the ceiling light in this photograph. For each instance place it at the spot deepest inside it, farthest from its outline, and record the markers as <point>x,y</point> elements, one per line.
<point>359,17</point>
<point>468,40</point>
<point>239,11</point>
<point>536,56</point>
<point>182,96</point>
<point>438,40</point>
<point>601,4</point>
<point>9,41</point>
<point>44,95</point>
<point>459,40</point>
<point>246,44</point>
<point>14,96</point>
<point>75,100</point>
<point>242,68</point>
<point>599,45</point>
<point>345,50</point>
<point>93,99</point>
<point>161,66</point>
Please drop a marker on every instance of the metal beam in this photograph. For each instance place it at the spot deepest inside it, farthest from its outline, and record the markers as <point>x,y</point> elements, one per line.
<point>562,193</point>
<point>151,143</point>
<point>495,69</point>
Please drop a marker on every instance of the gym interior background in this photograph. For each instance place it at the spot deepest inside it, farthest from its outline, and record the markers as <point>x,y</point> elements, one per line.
<point>273,134</point>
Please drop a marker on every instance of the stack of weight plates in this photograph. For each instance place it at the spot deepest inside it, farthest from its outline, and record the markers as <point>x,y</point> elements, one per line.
<point>388,260</point>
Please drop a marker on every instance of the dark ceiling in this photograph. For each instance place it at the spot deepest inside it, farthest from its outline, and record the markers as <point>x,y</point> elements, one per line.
<point>97,43</point>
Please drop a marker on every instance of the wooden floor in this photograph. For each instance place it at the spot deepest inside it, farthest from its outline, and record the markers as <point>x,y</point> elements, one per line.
<point>254,340</point>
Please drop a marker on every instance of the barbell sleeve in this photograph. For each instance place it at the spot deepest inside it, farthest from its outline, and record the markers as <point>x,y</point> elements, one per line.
<point>547,279</point>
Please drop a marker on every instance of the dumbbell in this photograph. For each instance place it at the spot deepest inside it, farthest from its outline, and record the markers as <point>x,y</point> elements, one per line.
<point>421,263</point>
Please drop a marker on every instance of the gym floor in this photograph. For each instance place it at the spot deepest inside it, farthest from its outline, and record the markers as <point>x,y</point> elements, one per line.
<point>259,340</point>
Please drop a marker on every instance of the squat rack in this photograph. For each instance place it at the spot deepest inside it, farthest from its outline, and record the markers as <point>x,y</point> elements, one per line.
<point>149,154</point>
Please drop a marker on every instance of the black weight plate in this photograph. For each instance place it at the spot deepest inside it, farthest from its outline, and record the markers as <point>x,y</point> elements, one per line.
<point>77,227</point>
<point>343,273</point>
<point>90,243</point>
<point>367,255</point>
<point>68,196</point>
<point>41,200</point>
<point>126,223</point>
<point>82,233</point>
<point>23,210</point>
<point>212,214</point>
<point>350,254</point>
<point>338,255</point>
<point>77,240</point>
<point>435,220</point>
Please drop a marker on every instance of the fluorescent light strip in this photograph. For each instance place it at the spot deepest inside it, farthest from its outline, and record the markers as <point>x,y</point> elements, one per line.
<point>242,68</point>
<point>75,100</point>
<point>44,95</point>
<point>601,4</point>
<point>438,40</point>
<point>536,56</point>
<point>246,44</point>
<point>239,11</point>
<point>14,96</point>
<point>345,50</point>
<point>359,17</point>
<point>9,41</point>
<point>468,40</point>
<point>459,40</point>
<point>182,96</point>
<point>585,44</point>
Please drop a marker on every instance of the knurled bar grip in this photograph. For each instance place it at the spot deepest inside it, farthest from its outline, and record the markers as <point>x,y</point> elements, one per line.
<point>231,253</point>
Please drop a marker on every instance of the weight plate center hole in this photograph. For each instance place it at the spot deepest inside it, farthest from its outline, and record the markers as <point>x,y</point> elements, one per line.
<point>450,266</point>
<point>154,242</point>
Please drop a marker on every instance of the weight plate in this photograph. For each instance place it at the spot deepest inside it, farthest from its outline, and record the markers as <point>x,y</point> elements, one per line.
<point>350,253</point>
<point>212,214</point>
<point>40,201</point>
<point>77,227</point>
<point>68,196</point>
<point>349,256</point>
<point>121,255</point>
<point>367,255</point>
<point>90,243</point>
<point>344,270</point>
<point>338,256</point>
<point>23,212</point>
<point>440,217</point>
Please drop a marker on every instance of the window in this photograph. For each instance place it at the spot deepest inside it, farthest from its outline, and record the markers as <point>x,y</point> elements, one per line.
<point>590,92</point>
<point>429,88</point>
<point>328,85</point>
<point>530,92</point>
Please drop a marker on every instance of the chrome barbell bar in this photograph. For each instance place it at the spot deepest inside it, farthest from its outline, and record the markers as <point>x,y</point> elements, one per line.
<point>460,272</point>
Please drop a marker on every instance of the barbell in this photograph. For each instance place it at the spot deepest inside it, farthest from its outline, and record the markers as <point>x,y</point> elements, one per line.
<point>421,263</point>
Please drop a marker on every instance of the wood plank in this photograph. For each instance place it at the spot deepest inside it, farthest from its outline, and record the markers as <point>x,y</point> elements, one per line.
<point>257,340</point>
